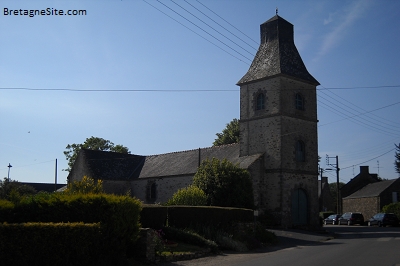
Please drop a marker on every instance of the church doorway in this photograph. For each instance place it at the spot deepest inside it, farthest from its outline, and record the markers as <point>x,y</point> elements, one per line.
<point>299,207</point>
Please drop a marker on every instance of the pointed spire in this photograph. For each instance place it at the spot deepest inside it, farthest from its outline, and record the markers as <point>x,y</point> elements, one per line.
<point>277,54</point>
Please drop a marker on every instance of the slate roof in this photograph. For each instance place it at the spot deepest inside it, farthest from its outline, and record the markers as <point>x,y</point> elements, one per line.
<point>277,54</point>
<point>372,190</point>
<point>48,187</point>
<point>116,166</point>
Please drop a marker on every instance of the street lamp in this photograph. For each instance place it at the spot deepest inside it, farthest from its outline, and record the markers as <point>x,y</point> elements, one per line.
<point>9,167</point>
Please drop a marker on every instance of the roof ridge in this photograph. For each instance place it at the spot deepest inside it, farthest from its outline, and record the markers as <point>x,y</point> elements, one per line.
<point>204,148</point>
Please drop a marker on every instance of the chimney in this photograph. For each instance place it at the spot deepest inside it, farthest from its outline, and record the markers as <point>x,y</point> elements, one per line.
<point>364,169</point>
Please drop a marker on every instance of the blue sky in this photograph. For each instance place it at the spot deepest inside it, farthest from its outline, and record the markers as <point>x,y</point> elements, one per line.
<point>184,73</point>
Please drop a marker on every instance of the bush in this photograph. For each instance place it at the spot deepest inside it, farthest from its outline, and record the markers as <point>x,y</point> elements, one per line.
<point>85,186</point>
<point>192,196</point>
<point>225,184</point>
<point>392,208</point>
<point>53,244</point>
<point>153,216</point>
<point>189,237</point>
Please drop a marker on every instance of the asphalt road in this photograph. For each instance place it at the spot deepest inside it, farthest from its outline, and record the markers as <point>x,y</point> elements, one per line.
<point>341,245</point>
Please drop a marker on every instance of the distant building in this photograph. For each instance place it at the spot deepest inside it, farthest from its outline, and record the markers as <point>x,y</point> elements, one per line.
<point>370,199</point>
<point>278,142</point>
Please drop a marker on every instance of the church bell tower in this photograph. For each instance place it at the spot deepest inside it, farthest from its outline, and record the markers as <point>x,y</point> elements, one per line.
<point>278,117</point>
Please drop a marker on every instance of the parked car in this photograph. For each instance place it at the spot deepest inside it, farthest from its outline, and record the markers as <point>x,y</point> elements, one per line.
<point>351,218</point>
<point>332,219</point>
<point>384,219</point>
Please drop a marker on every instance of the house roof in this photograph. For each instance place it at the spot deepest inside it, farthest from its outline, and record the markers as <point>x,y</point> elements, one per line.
<point>277,54</point>
<point>48,187</point>
<point>116,166</point>
<point>372,190</point>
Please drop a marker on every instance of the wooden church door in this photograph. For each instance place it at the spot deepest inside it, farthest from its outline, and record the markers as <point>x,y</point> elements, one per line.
<point>299,207</point>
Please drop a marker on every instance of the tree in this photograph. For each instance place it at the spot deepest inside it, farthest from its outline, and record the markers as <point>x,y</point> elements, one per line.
<point>230,134</point>
<point>86,186</point>
<point>92,143</point>
<point>191,195</point>
<point>13,190</point>
<point>397,160</point>
<point>225,184</point>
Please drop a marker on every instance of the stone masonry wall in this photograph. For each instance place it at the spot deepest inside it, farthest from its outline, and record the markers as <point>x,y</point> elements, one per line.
<point>367,206</point>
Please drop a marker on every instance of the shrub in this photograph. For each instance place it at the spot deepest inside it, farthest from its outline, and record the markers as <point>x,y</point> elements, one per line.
<point>52,244</point>
<point>85,186</point>
<point>225,184</point>
<point>190,237</point>
<point>392,208</point>
<point>192,196</point>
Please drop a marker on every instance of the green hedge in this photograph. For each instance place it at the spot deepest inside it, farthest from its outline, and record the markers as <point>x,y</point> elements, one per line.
<point>153,216</point>
<point>52,244</point>
<point>118,215</point>
<point>221,217</point>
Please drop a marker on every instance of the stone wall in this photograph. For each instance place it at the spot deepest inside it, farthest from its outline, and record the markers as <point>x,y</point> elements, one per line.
<point>165,187</point>
<point>367,206</point>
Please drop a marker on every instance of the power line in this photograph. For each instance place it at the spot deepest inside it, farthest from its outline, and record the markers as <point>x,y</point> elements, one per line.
<point>196,32</point>
<point>203,30</point>
<point>221,25</point>
<point>228,22</point>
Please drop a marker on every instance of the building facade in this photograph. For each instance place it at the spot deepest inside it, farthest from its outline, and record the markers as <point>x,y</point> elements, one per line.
<point>278,140</point>
<point>278,117</point>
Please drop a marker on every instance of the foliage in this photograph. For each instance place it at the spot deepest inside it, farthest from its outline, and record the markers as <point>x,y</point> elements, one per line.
<point>332,187</point>
<point>230,134</point>
<point>397,160</point>
<point>86,186</point>
<point>13,190</point>
<point>392,208</point>
<point>225,184</point>
<point>52,244</point>
<point>92,143</point>
<point>192,196</point>
<point>189,237</point>
<point>254,235</point>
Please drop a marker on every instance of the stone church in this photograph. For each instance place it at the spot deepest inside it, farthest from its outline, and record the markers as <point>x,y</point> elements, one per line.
<point>278,140</point>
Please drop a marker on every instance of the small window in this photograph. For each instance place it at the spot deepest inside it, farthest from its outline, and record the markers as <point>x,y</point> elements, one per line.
<point>153,191</point>
<point>300,151</point>
<point>260,101</point>
<point>299,102</point>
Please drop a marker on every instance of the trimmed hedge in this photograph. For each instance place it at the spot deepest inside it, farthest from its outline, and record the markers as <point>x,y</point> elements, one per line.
<point>118,215</point>
<point>221,217</point>
<point>52,244</point>
<point>153,216</point>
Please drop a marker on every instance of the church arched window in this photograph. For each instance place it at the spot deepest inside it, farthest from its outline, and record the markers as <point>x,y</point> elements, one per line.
<point>260,101</point>
<point>299,101</point>
<point>300,151</point>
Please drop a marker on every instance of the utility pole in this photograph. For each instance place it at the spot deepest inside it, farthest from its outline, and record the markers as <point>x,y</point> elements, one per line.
<point>55,176</point>
<point>9,167</point>
<point>336,166</point>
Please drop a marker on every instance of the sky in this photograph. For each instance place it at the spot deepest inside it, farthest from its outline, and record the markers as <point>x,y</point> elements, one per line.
<point>160,76</point>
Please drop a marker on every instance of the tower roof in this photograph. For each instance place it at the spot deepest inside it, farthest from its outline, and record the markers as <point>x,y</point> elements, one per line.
<point>277,54</point>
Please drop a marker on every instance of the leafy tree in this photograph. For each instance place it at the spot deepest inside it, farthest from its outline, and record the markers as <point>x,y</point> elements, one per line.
<point>192,196</point>
<point>13,190</point>
<point>86,186</point>
<point>392,208</point>
<point>225,184</point>
<point>333,190</point>
<point>92,143</point>
<point>230,134</point>
<point>397,160</point>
